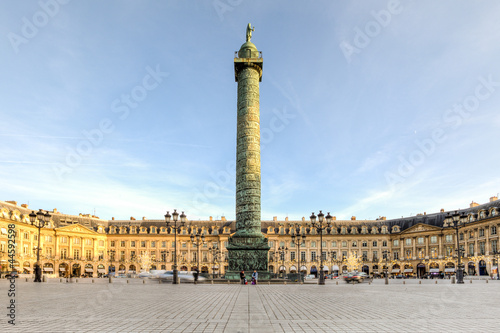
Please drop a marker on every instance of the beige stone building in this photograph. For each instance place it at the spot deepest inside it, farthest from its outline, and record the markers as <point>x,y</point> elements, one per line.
<point>87,245</point>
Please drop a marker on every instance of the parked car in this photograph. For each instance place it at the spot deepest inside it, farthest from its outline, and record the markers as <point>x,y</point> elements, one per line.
<point>356,276</point>
<point>11,275</point>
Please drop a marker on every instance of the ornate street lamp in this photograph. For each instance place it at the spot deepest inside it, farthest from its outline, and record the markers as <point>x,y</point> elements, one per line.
<point>39,220</point>
<point>281,256</point>
<point>175,217</point>
<point>197,240</point>
<point>496,253</point>
<point>215,252</point>
<point>111,256</point>
<point>297,239</point>
<point>456,220</point>
<point>319,228</point>
<point>386,255</point>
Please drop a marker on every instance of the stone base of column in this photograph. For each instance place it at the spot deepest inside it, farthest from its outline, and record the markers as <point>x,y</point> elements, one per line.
<point>248,254</point>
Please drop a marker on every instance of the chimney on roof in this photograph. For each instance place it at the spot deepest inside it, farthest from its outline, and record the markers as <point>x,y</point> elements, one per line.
<point>223,218</point>
<point>473,204</point>
<point>24,205</point>
<point>12,202</point>
<point>353,218</point>
<point>286,219</point>
<point>113,218</point>
<point>442,210</point>
<point>334,218</point>
<point>303,219</point>
<point>54,211</point>
<point>383,218</point>
<point>494,198</point>
<point>425,213</point>
<point>144,218</point>
<point>275,218</point>
<point>211,218</point>
<point>132,218</point>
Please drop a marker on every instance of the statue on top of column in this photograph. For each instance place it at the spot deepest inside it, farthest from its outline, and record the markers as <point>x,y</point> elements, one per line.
<point>249,32</point>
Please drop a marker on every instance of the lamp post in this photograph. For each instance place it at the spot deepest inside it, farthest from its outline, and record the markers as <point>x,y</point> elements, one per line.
<point>281,255</point>
<point>319,228</point>
<point>386,254</point>
<point>297,239</point>
<point>197,240</point>
<point>111,256</point>
<point>215,252</point>
<point>175,217</point>
<point>456,220</point>
<point>39,220</point>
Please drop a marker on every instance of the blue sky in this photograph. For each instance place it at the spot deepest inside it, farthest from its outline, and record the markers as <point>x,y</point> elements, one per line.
<point>368,108</point>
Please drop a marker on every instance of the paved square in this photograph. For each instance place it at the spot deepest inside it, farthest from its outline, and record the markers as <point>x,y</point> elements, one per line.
<point>152,307</point>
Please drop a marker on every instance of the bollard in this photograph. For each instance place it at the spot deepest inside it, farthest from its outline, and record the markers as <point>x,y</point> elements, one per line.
<point>228,282</point>
<point>212,281</point>
<point>143,281</point>
<point>404,282</point>
<point>92,280</point>
<point>110,279</point>
<point>337,283</point>
<point>486,281</point>
<point>127,281</point>
<point>76,280</point>
<point>60,280</point>
<point>26,279</point>
<point>471,281</point>
<point>419,282</point>
<point>284,282</point>
<point>436,282</point>
<point>452,280</point>
<point>269,282</point>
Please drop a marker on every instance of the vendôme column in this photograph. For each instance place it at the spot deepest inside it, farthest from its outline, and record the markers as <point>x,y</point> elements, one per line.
<point>248,248</point>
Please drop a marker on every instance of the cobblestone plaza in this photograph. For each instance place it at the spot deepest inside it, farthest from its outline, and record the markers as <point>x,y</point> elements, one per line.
<point>402,306</point>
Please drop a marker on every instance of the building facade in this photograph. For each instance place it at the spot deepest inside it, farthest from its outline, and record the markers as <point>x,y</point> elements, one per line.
<point>73,245</point>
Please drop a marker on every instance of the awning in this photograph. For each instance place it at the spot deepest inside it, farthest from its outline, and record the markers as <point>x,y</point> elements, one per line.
<point>131,272</point>
<point>396,270</point>
<point>27,269</point>
<point>293,268</point>
<point>434,270</point>
<point>449,270</point>
<point>408,270</point>
<point>335,268</point>
<point>48,269</point>
<point>62,268</point>
<point>89,270</point>
<point>325,268</point>
<point>101,270</point>
<point>17,268</point>
<point>121,272</point>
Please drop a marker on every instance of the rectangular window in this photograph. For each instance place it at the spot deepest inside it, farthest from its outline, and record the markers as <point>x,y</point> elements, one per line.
<point>88,254</point>
<point>76,240</point>
<point>88,241</point>
<point>323,255</point>
<point>434,239</point>
<point>374,244</point>
<point>48,251</point>
<point>334,254</point>
<point>481,232</point>
<point>354,244</point>
<point>112,244</point>
<point>143,243</point>
<point>64,240</point>
<point>132,254</point>
<point>122,243</point>
<point>344,244</point>
<point>153,244</point>
<point>344,255</point>
<point>461,236</point>
<point>375,255</point>
<point>64,253</point>
<point>364,244</point>
<point>101,255</point>
<point>163,244</point>
<point>48,239</point>
<point>364,255</point>
<point>471,249</point>
<point>313,256</point>
<point>334,244</point>
<point>482,249</point>
<point>448,238</point>
<point>101,243</point>
<point>494,245</point>
<point>303,256</point>
<point>493,230</point>
<point>396,255</point>
<point>420,240</point>
<point>292,255</point>
<point>271,243</point>
<point>395,242</point>
<point>323,243</point>
<point>449,251</point>
<point>408,241</point>
<point>132,243</point>
<point>76,254</point>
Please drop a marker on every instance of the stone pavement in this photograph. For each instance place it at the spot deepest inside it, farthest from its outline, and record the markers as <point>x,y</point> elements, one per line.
<point>152,307</point>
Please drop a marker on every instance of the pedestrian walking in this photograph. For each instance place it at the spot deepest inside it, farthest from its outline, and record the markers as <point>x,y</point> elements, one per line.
<point>195,275</point>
